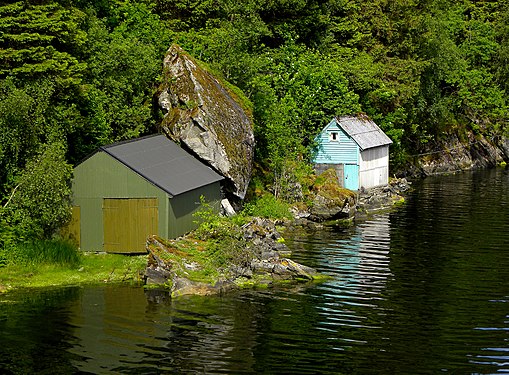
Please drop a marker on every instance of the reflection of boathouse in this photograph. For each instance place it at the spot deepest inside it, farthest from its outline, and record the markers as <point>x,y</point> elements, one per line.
<point>365,259</point>
<point>357,149</point>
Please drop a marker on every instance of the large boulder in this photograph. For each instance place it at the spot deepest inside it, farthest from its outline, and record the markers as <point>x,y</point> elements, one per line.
<point>331,201</point>
<point>207,118</point>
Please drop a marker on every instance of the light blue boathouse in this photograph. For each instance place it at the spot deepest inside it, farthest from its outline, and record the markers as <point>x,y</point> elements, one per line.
<point>357,149</point>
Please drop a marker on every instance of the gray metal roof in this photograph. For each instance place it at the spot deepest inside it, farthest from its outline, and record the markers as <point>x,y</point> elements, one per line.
<point>363,131</point>
<point>163,163</point>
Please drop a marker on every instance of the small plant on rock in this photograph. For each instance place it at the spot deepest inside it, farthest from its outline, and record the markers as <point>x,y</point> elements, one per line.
<point>224,239</point>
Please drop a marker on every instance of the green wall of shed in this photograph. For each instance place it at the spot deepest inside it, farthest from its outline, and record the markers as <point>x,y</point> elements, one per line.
<point>184,206</point>
<point>101,176</point>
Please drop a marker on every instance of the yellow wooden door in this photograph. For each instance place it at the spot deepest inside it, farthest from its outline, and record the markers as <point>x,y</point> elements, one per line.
<point>128,222</point>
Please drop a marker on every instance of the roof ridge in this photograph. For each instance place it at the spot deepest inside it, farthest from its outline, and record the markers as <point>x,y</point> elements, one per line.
<point>132,140</point>
<point>175,151</point>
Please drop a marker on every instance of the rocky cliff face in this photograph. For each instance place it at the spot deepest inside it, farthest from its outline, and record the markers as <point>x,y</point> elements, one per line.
<point>207,118</point>
<point>456,155</point>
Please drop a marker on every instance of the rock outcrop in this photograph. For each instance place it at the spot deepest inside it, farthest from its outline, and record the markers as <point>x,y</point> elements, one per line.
<point>330,201</point>
<point>264,261</point>
<point>455,155</point>
<point>207,118</point>
<point>381,197</point>
<point>333,207</point>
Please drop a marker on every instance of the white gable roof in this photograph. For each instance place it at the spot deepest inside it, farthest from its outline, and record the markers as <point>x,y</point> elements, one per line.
<point>363,131</point>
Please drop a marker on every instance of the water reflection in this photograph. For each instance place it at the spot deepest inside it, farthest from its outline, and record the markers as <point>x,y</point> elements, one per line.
<point>128,330</point>
<point>34,330</point>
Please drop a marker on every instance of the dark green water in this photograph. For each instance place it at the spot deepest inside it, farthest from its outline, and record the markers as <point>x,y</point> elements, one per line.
<point>423,290</point>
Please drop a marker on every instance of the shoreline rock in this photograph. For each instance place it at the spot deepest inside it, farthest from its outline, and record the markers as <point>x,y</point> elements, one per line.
<point>455,154</point>
<point>264,262</point>
<point>381,197</point>
<point>356,208</point>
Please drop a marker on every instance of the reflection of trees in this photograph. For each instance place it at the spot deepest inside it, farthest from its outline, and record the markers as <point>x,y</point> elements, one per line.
<point>34,331</point>
<point>108,328</point>
<point>210,334</point>
<point>121,330</point>
<point>446,255</point>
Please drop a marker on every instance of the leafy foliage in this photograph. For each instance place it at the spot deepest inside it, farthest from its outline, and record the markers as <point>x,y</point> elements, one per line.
<point>224,237</point>
<point>40,203</point>
<point>41,39</point>
<point>39,252</point>
<point>267,206</point>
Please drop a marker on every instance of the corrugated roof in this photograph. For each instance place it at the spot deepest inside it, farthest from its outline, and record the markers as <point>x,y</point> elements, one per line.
<point>164,163</point>
<point>364,131</point>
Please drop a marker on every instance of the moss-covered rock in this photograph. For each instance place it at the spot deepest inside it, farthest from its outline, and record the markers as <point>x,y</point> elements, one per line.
<point>190,266</point>
<point>330,200</point>
<point>209,117</point>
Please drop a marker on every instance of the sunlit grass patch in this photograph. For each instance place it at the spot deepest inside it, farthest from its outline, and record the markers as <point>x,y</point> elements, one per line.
<point>55,251</point>
<point>92,269</point>
<point>269,207</point>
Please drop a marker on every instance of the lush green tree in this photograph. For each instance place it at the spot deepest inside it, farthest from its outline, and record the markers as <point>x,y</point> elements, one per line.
<point>501,66</point>
<point>39,40</point>
<point>124,61</point>
<point>23,125</point>
<point>83,73</point>
<point>39,203</point>
<point>295,94</point>
<point>458,89</point>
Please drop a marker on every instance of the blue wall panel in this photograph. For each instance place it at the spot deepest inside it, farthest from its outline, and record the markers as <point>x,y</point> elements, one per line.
<point>343,150</point>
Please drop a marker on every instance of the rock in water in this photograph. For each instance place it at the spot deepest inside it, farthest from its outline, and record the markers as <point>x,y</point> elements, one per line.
<point>208,118</point>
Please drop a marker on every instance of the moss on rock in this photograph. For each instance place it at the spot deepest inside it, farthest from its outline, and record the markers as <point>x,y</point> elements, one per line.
<point>209,116</point>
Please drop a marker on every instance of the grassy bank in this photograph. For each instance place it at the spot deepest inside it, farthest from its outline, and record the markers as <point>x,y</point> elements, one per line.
<point>51,263</point>
<point>217,244</point>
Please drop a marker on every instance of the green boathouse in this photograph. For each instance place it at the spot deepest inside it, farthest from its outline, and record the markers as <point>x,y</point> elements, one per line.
<point>127,191</point>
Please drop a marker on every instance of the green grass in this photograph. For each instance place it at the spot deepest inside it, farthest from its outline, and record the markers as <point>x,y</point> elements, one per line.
<point>92,269</point>
<point>59,252</point>
<point>190,258</point>
<point>268,206</point>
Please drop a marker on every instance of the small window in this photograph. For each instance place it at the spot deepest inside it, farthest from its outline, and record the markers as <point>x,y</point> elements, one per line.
<point>334,136</point>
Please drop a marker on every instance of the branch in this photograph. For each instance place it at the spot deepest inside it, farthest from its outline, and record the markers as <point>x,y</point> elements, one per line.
<point>12,195</point>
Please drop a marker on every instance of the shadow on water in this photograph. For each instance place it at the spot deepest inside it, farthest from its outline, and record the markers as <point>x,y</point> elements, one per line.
<point>420,290</point>
<point>34,328</point>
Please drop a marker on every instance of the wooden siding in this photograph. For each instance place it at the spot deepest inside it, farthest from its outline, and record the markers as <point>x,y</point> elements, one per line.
<point>101,176</point>
<point>128,222</point>
<point>374,170</point>
<point>184,206</point>
<point>71,231</point>
<point>342,151</point>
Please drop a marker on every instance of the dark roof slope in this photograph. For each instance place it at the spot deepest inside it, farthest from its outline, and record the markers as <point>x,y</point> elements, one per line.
<point>363,131</point>
<point>163,163</point>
